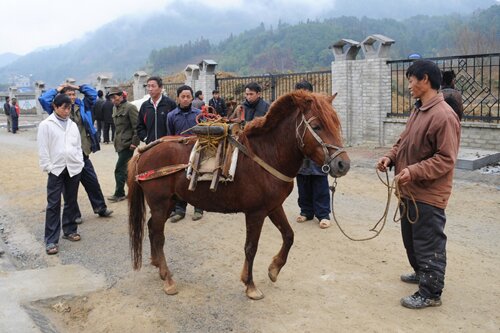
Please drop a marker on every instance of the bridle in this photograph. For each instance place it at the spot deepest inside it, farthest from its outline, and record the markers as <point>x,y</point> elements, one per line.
<point>300,138</point>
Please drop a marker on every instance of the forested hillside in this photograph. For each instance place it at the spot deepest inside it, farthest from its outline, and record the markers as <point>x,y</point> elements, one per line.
<point>304,46</point>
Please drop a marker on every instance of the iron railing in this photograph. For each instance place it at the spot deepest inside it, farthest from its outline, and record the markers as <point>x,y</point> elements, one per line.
<point>477,78</point>
<point>171,89</point>
<point>273,85</point>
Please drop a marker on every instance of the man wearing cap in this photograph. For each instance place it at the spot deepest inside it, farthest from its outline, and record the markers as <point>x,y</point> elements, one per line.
<point>81,114</point>
<point>126,140</point>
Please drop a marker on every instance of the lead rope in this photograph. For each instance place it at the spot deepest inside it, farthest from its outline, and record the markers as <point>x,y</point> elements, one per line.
<point>390,187</point>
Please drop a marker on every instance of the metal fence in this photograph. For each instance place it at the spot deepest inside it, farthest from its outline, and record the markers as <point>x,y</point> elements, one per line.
<point>273,85</point>
<point>477,78</point>
<point>171,89</point>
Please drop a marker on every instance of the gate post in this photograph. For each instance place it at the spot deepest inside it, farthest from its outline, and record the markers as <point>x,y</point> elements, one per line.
<point>364,88</point>
<point>39,90</point>
<point>139,85</point>
<point>345,52</point>
<point>206,81</point>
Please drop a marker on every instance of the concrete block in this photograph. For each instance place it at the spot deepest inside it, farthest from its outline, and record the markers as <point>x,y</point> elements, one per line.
<point>472,159</point>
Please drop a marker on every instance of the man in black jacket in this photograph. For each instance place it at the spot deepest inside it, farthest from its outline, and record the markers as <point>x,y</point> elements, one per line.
<point>98,115</point>
<point>107,115</point>
<point>152,121</point>
<point>254,105</point>
<point>218,104</point>
<point>6,109</point>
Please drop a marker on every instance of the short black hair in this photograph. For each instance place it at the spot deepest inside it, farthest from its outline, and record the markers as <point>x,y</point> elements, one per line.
<point>215,91</point>
<point>448,77</point>
<point>61,99</point>
<point>7,98</point>
<point>66,89</point>
<point>100,93</point>
<point>198,93</point>
<point>420,68</point>
<point>158,80</point>
<point>304,85</point>
<point>182,88</point>
<point>254,86</point>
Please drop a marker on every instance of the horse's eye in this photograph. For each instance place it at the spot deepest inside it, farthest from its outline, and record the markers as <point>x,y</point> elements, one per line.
<point>316,128</point>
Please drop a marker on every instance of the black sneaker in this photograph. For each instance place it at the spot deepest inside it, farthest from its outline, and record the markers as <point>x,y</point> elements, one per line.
<point>105,212</point>
<point>417,301</point>
<point>410,278</point>
<point>114,198</point>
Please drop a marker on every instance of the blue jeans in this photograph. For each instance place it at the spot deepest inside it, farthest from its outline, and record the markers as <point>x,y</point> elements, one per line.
<point>314,196</point>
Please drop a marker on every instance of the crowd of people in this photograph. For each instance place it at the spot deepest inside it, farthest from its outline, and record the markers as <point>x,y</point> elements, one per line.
<point>423,157</point>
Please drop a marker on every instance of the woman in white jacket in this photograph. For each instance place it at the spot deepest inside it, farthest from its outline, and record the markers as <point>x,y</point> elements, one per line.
<point>60,152</point>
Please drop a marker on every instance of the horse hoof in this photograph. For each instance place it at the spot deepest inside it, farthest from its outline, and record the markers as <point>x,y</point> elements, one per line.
<point>170,290</point>
<point>254,294</point>
<point>273,273</point>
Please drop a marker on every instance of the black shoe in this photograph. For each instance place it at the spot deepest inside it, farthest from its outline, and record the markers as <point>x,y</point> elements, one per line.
<point>417,301</point>
<point>105,212</point>
<point>410,278</point>
<point>177,217</point>
<point>114,198</point>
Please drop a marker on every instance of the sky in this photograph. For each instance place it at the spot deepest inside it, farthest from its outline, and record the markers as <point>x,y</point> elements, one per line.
<point>49,23</point>
<point>28,25</point>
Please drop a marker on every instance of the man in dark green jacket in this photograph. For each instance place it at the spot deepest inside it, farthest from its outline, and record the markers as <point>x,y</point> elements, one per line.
<point>126,140</point>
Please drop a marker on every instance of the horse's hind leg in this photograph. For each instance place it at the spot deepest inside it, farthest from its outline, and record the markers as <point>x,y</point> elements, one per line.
<point>278,217</point>
<point>157,238</point>
<point>155,261</point>
<point>254,224</point>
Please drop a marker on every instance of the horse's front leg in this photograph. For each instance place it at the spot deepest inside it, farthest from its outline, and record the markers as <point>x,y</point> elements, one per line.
<point>278,217</point>
<point>157,238</point>
<point>254,224</point>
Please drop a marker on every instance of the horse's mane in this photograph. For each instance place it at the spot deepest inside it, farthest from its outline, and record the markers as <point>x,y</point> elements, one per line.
<point>287,106</point>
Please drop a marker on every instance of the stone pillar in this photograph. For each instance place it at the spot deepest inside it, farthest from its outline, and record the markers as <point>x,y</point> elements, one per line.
<point>12,92</point>
<point>192,73</point>
<point>345,52</point>
<point>364,89</point>
<point>139,86</point>
<point>39,90</point>
<point>102,83</point>
<point>206,81</point>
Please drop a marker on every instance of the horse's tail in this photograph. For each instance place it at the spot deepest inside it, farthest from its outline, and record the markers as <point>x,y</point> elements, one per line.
<point>137,214</point>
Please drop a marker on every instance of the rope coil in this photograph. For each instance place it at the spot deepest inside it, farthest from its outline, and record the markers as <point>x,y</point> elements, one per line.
<point>391,186</point>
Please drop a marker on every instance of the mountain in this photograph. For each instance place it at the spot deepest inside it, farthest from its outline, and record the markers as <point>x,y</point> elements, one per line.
<point>8,58</point>
<point>304,46</point>
<point>238,44</point>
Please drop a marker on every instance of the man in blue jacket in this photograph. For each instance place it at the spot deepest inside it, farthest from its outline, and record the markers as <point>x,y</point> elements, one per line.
<point>81,114</point>
<point>179,121</point>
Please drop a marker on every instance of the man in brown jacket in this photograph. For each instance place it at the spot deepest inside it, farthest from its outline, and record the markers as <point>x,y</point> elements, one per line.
<point>126,140</point>
<point>424,158</point>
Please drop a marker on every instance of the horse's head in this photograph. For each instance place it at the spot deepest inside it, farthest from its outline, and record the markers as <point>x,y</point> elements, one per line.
<point>319,133</point>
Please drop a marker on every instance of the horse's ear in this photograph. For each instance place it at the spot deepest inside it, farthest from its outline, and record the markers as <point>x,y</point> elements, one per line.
<point>332,97</point>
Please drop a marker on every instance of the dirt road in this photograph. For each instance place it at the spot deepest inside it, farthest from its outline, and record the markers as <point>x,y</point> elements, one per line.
<point>330,284</point>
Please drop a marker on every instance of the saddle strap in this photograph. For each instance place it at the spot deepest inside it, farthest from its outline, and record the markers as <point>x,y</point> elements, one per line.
<point>161,172</point>
<point>259,161</point>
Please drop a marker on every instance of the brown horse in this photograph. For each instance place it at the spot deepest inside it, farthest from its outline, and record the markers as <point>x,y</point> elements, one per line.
<point>298,124</point>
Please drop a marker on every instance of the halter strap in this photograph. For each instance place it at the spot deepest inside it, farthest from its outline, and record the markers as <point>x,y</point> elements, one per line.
<point>328,158</point>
